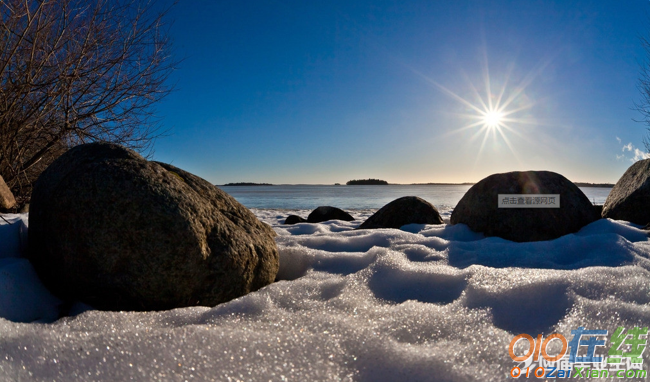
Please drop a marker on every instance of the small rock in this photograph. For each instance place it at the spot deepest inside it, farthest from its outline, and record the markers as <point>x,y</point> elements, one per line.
<point>325,213</point>
<point>479,207</point>
<point>24,209</point>
<point>598,210</point>
<point>630,197</point>
<point>294,219</point>
<point>118,232</point>
<point>7,199</point>
<point>403,211</point>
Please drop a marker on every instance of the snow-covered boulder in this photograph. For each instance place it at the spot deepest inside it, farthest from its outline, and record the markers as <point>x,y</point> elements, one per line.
<point>480,211</point>
<point>117,232</point>
<point>325,213</point>
<point>403,211</point>
<point>630,198</point>
<point>7,199</point>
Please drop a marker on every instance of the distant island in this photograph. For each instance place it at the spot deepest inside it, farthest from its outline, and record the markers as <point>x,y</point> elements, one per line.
<point>366,182</point>
<point>584,184</point>
<point>247,184</point>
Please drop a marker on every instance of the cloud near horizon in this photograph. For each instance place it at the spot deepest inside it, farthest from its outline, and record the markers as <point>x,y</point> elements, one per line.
<point>638,154</point>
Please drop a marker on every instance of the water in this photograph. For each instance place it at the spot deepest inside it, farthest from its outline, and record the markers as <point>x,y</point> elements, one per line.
<point>294,197</point>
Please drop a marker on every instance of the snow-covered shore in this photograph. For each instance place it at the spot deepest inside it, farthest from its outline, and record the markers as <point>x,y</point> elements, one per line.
<point>422,303</point>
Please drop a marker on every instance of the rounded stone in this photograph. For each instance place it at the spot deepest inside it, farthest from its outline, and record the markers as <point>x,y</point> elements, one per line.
<point>479,207</point>
<point>294,219</point>
<point>325,213</point>
<point>403,211</point>
<point>118,232</point>
<point>630,197</point>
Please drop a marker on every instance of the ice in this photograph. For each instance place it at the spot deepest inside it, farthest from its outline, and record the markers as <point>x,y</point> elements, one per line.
<point>423,303</point>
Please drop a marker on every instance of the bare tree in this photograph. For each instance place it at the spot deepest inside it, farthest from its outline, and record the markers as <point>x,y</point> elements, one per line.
<point>75,71</point>
<point>643,106</point>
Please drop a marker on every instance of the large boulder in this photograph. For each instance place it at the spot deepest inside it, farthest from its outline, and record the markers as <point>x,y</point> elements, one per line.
<point>7,199</point>
<point>118,232</point>
<point>479,207</point>
<point>630,198</point>
<point>403,211</point>
<point>325,213</point>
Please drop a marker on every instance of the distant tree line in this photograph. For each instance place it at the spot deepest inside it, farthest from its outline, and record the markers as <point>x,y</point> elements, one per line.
<point>363,182</point>
<point>247,184</point>
<point>584,184</point>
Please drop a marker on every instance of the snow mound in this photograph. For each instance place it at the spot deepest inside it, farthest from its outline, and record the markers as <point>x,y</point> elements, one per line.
<point>424,303</point>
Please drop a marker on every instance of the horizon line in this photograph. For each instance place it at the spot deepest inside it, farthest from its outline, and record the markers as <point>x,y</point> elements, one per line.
<point>254,184</point>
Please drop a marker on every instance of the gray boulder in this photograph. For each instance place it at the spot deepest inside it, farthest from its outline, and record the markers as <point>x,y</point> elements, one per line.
<point>294,219</point>
<point>479,209</point>
<point>325,213</point>
<point>403,211</point>
<point>7,199</point>
<point>117,232</point>
<point>630,197</point>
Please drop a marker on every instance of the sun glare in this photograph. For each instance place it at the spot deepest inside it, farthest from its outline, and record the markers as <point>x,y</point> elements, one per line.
<point>494,114</point>
<point>492,118</point>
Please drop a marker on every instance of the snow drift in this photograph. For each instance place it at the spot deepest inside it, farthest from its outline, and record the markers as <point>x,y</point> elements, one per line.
<point>438,303</point>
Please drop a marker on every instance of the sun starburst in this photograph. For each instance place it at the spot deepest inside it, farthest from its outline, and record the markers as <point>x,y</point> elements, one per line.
<point>495,114</point>
<point>492,118</point>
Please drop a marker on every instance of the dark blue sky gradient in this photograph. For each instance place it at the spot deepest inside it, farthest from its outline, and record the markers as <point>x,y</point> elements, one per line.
<point>324,92</point>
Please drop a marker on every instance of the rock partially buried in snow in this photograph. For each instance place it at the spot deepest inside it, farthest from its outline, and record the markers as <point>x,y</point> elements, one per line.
<point>325,213</point>
<point>294,219</point>
<point>630,198</point>
<point>598,210</point>
<point>7,199</point>
<point>118,232</point>
<point>479,207</point>
<point>403,211</point>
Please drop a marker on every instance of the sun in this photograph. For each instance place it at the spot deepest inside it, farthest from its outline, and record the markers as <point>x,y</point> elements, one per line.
<point>492,118</point>
<point>493,114</point>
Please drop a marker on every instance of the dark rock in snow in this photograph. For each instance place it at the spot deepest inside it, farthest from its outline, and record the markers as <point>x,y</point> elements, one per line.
<point>403,211</point>
<point>598,210</point>
<point>479,209</point>
<point>294,219</point>
<point>7,199</point>
<point>325,213</point>
<point>630,197</point>
<point>115,231</point>
<point>24,208</point>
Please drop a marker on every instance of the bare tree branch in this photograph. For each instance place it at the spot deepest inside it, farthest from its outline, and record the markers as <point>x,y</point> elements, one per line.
<point>73,71</point>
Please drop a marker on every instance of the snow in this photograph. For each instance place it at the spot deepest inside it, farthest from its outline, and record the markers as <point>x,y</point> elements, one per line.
<point>421,303</point>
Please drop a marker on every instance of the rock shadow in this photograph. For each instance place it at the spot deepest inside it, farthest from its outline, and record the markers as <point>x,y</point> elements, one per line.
<point>532,309</point>
<point>397,285</point>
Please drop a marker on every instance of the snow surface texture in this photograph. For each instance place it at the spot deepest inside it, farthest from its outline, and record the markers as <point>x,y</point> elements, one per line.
<point>425,303</point>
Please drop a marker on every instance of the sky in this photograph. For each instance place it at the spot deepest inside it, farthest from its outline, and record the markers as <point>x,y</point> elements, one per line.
<point>302,92</point>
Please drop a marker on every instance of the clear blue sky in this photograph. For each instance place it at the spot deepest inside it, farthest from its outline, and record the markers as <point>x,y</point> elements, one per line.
<point>323,92</point>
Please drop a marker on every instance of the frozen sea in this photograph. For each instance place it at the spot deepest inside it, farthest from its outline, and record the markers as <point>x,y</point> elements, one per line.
<point>293,197</point>
<point>422,303</point>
